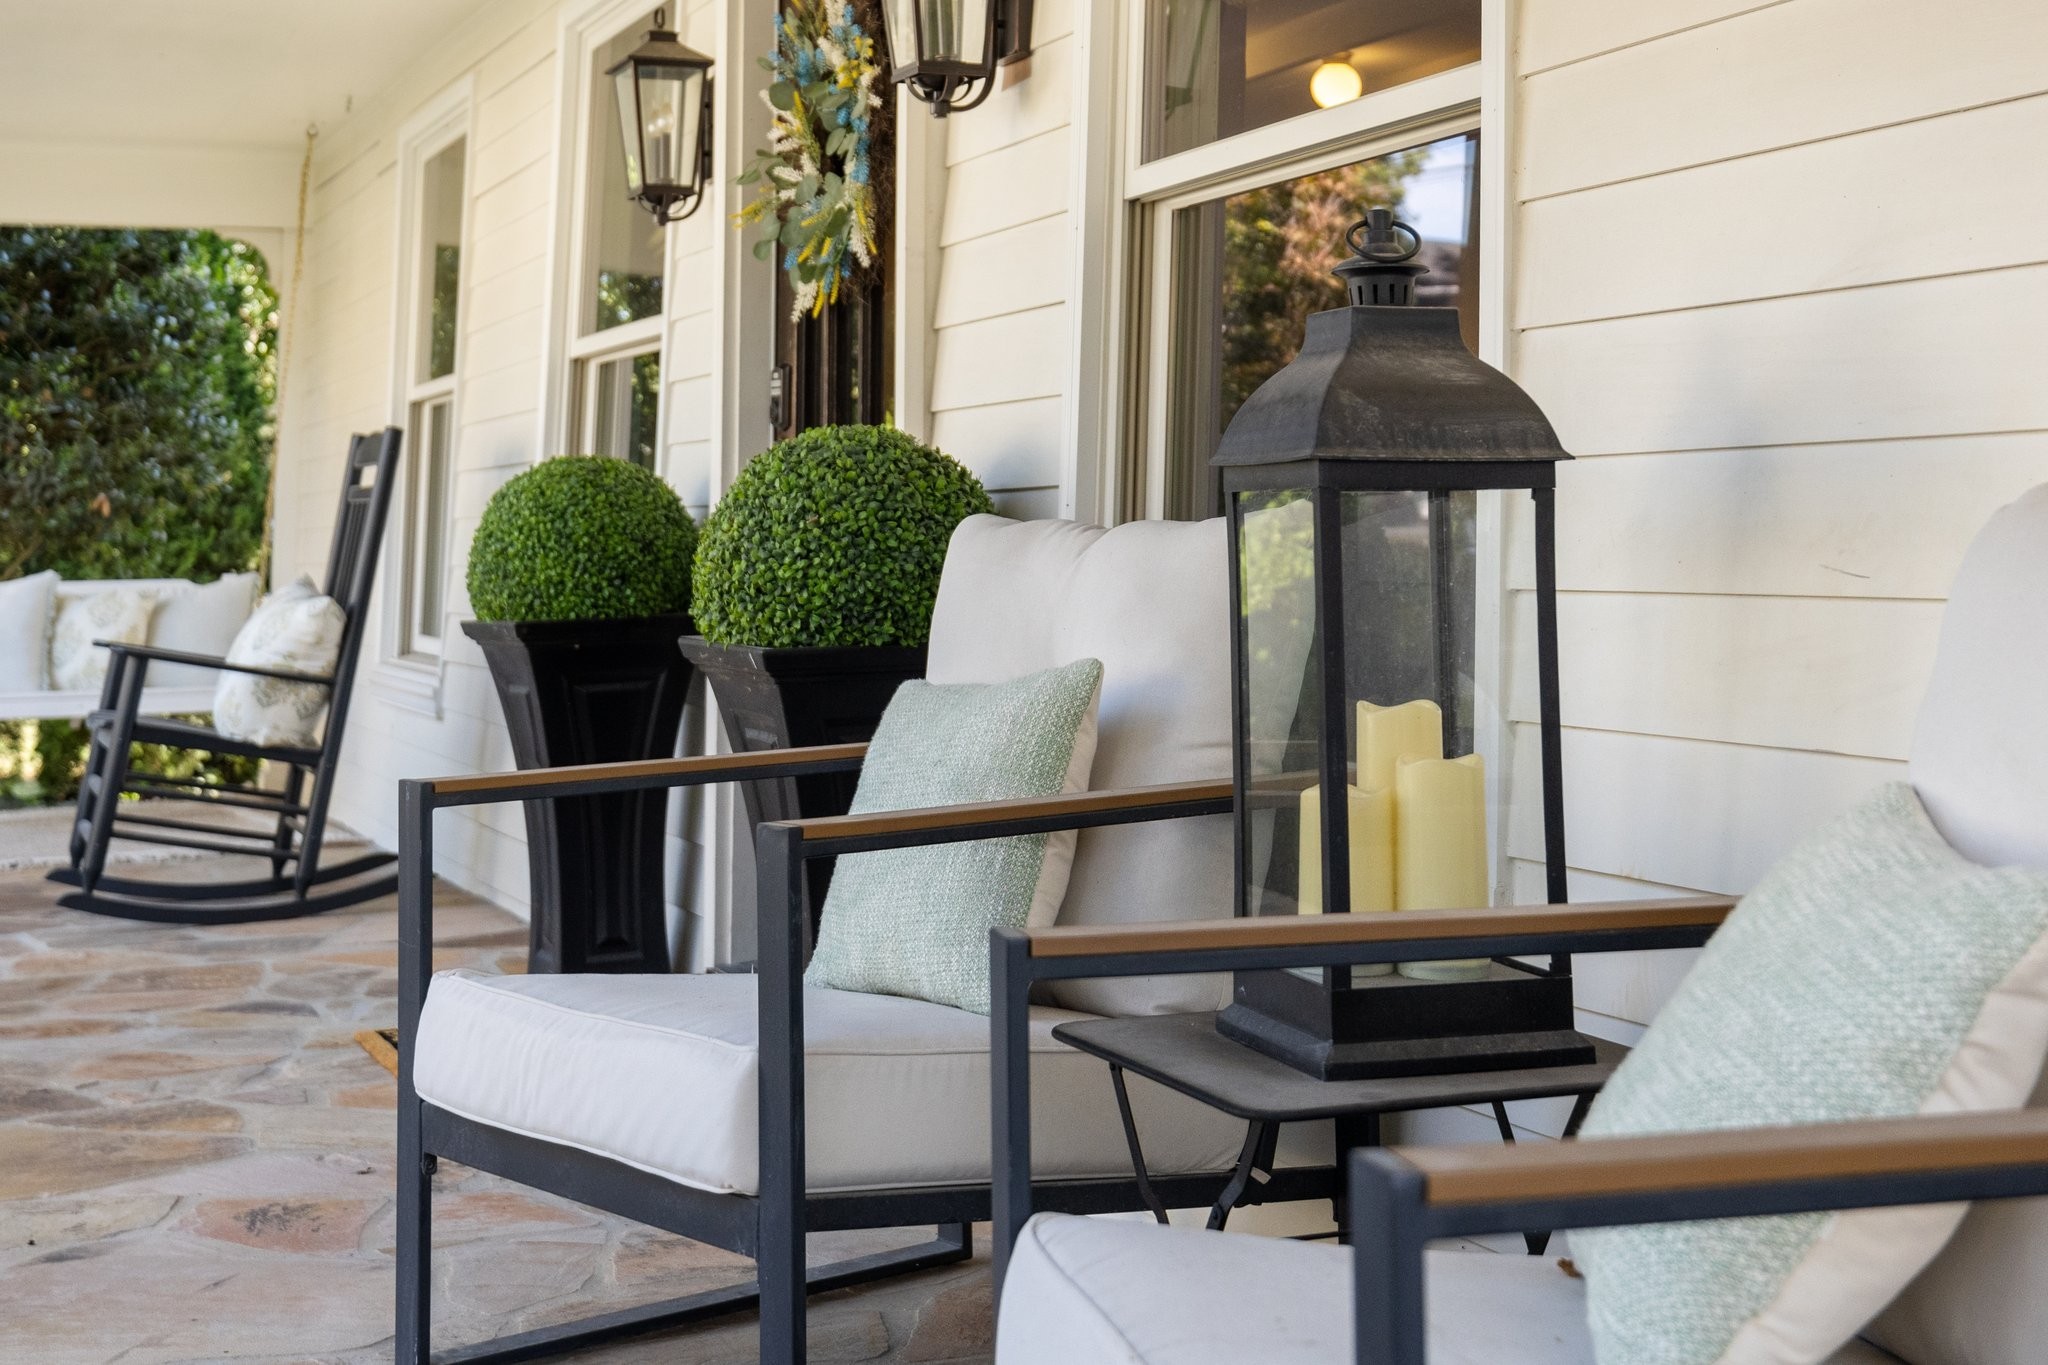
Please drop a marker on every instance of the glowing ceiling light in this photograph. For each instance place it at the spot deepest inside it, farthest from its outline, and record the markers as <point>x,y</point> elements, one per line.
<point>1335,83</point>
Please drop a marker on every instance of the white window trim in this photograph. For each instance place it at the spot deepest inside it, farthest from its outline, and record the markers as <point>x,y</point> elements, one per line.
<point>583,32</point>
<point>1125,206</point>
<point>405,674</point>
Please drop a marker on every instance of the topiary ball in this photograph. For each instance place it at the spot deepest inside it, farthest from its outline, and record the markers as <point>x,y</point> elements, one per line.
<point>834,537</point>
<point>578,538</point>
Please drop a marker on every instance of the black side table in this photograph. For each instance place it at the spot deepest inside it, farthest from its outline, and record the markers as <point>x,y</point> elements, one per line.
<point>1184,1052</point>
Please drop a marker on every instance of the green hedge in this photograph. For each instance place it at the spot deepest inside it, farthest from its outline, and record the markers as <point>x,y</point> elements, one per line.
<point>579,538</point>
<point>834,537</point>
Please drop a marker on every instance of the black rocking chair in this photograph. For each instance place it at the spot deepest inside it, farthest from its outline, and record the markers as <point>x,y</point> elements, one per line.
<point>297,884</point>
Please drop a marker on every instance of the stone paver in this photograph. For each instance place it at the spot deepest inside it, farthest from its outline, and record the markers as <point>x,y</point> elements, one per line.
<point>196,1164</point>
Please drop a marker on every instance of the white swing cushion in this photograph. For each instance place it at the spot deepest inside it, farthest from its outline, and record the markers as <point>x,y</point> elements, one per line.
<point>1101,1290</point>
<point>660,1072</point>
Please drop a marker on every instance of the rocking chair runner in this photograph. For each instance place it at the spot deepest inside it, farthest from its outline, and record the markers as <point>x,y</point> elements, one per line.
<point>297,884</point>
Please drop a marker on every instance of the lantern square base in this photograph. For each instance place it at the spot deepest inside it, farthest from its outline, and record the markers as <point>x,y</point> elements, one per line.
<point>1385,1026</point>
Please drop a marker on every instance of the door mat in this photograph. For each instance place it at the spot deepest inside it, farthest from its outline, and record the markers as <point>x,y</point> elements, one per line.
<point>382,1045</point>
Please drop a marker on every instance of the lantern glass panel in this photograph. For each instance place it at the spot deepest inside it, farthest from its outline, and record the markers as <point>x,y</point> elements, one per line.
<point>953,31</point>
<point>628,104</point>
<point>1397,639</point>
<point>1282,695</point>
<point>671,112</point>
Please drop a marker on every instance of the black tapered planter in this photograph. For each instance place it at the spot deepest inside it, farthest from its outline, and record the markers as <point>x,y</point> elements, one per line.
<point>579,692</point>
<point>784,698</point>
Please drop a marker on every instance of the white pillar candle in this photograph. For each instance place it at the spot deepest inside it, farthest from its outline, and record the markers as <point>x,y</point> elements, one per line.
<point>1388,736</point>
<point>1440,848</point>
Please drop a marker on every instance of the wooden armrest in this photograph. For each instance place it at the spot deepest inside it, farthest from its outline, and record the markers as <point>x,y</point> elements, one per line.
<point>1070,811</point>
<point>651,772</point>
<point>179,656</point>
<point>1740,1159</point>
<point>1296,931</point>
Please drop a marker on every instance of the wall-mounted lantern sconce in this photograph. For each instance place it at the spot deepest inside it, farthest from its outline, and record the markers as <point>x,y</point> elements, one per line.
<point>664,97</point>
<point>947,51</point>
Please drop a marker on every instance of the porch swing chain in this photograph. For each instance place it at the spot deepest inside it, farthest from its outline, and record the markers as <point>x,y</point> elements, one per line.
<point>284,357</point>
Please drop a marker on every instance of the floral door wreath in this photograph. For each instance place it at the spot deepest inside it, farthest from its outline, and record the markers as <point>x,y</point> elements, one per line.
<point>815,206</point>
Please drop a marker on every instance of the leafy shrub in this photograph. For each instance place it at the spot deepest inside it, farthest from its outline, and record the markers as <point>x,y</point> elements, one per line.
<point>834,537</point>
<point>580,538</point>
<point>137,370</point>
<point>136,376</point>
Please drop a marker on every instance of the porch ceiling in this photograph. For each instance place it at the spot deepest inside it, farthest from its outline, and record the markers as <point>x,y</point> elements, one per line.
<point>225,72</point>
<point>187,112</point>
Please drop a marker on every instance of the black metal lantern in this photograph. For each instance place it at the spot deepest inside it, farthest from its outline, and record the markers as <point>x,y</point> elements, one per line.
<point>947,51</point>
<point>1353,478</point>
<point>664,100</point>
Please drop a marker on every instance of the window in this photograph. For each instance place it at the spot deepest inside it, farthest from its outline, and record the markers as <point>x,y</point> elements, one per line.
<point>429,343</point>
<point>1250,267</point>
<point>616,347</point>
<point>1217,68</point>
<point>1258,131</point>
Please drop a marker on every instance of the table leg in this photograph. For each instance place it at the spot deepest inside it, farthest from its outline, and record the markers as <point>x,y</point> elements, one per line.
<point>1138,1168</point>
<point>1539,1242</point>
<point>1254,1162</point>
<point>1351,1130</point>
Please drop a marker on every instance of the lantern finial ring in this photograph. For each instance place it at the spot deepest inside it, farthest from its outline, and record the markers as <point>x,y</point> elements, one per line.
<point>1383,233</point>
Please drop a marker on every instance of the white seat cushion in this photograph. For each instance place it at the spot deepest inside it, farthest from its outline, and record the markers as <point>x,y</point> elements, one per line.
<point>659,1072</point>
<point>1129,1293</point>
<point>1151,600</point>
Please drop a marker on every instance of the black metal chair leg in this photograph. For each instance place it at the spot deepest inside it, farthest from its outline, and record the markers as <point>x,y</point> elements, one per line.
<point>410,1344</point>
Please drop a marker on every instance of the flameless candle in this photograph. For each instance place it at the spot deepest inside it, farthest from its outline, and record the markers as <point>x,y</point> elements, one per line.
<point>1390,735</point>
<point>1372,855</point>
<point>1440,848</point>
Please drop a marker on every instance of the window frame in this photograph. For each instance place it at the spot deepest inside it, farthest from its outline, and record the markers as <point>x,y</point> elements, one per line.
<point>574,354</point>
<point>410,661</point>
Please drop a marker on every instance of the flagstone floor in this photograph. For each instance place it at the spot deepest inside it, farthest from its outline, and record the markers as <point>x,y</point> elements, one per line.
<point>196,1164</point>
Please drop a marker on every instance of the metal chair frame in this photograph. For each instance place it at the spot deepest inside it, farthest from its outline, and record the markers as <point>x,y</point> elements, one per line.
<point>769,1226</point>
<point>297,884</point>
<point>1403,1198</point>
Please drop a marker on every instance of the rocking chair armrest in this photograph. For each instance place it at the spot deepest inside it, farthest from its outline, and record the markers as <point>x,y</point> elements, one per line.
<point>178,656</point>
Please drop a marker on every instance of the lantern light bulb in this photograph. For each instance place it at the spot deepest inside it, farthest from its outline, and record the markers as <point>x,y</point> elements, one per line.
<point>1335,83</point>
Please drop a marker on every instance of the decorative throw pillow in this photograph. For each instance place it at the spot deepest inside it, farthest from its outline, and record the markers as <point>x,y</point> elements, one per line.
<point>200,618</point>
<point>915,921</point>
<point>298,628</point>
<point>1874,972</point>
<point>25,631</point>
<point>118,614</point>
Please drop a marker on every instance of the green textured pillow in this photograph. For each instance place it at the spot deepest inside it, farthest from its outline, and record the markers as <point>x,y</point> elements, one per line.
<point>1874,972</point>
<point>915,921</point>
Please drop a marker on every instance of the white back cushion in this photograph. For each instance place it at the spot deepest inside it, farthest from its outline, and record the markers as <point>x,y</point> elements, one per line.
<point>25,631</point>
<point>200,618</point>
<point>1151,600</point>
<point>1980,754</point>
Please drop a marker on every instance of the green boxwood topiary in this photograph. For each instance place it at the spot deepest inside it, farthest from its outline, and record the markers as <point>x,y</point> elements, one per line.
<point>834,537</point>
<point>582,537</point>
